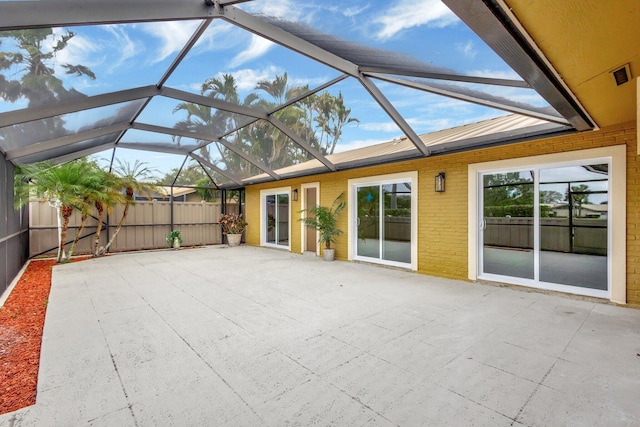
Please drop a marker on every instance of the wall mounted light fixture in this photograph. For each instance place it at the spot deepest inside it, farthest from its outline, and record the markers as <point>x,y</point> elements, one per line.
<point>295,195</point>
<point>440,183</point>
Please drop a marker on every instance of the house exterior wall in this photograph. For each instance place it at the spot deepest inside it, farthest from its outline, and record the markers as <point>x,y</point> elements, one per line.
<point>443,217</point>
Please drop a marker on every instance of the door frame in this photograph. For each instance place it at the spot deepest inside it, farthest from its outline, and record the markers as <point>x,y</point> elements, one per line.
<point>263,216</point>
<point>304,204</point>
<point>352,196</point>
<point>615,155</point>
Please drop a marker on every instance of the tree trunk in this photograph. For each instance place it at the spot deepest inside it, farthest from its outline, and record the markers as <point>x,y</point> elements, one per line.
<point>83,221</point>
<point>96,242</point>
<point>124,216</point>
<point>66,212</point>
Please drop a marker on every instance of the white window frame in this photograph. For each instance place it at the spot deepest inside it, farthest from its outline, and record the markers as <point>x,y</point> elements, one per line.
<point>615,156</point>
<point>263,216</point>
<point>395,178</point>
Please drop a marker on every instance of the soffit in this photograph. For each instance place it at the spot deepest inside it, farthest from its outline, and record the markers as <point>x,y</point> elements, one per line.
<point>585,40</point>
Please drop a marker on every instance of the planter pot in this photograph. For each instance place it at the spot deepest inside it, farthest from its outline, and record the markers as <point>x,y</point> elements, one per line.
<point>176,243</point>
<point>234,239</point>
<point>329,254</point>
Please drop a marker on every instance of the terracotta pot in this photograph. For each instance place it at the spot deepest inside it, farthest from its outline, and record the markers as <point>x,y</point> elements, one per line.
<point>234,239</point>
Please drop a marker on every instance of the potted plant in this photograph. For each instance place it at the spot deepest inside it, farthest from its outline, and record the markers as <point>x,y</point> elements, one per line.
<point>233,225</point>
<point>174,239</point>
<point>324,220</point>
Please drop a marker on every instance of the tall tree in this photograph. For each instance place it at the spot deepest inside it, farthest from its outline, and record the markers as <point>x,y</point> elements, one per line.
<point>62,186</point>
<point>132,178</point>
<point>32,63</point>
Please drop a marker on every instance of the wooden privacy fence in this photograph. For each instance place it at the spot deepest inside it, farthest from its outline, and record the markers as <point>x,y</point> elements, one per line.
<point>585,236</point>
<point>146,226</point>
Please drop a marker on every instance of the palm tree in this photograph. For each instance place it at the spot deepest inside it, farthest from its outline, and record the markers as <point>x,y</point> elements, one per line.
<point>105,200</point>
<point>63,186</point>
<point>132,178</point>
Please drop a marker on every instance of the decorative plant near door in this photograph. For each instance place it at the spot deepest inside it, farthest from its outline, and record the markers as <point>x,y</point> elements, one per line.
<point>324,220</point>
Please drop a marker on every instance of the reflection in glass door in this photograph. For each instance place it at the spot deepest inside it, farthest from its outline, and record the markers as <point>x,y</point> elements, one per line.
<point>277,219</point>
<point>507,235</point>
<point>574,204</point>
<point>384,223</point>
<point>548,226</point>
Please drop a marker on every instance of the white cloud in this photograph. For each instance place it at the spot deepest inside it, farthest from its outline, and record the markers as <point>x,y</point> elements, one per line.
<point>257,47</point>
<point>247,78</point>
<point>467,49</point>
<point>413,13</point>
<point>172,34</point>
<point>286,9</point>
<point>379,127</point>
<point>350,12</point>
<point>122,44</point>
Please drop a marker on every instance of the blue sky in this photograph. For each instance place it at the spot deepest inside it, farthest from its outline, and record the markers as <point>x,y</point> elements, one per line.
<point>132,55</point>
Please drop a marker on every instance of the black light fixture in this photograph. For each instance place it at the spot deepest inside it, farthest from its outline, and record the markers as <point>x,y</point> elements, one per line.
<point>440,183</point>
<point>295,195</point>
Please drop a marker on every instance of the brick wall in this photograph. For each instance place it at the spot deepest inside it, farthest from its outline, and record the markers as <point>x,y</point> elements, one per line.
<point>442,217</point>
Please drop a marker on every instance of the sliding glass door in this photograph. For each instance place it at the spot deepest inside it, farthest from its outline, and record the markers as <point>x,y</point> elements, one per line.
<point>384,222</point>
<point>547,227</point>
<point>275,220</point>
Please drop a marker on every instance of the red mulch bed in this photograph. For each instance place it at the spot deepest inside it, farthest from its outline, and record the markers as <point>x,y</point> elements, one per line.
<point>21,324</point>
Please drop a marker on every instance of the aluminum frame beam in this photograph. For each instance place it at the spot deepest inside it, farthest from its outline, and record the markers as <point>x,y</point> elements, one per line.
<point>210,165</point>
<point>394,114</point>
<point>491,23</point>
<point>158,148</point>
<point>51,144</point>
<point>446,76</point>
<point>211,102</point>
<point>472,99</point>
<point>204,137</point>
<point>74,105</point>
<point>18,15</point>
<point>82,153</point>
<point>301,142</point>
<point>184,51</point>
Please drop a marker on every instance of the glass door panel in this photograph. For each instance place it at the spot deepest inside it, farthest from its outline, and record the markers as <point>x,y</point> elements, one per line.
<point>277,220</point>
<point>508,224</point>
<point>270,210</point>
<point>283,220</point>
<point>368,221</point>
<point>574,226</point>
<point>396,242</point>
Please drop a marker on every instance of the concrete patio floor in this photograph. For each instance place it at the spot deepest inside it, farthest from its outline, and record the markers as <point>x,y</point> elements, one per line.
<point>250,337</point>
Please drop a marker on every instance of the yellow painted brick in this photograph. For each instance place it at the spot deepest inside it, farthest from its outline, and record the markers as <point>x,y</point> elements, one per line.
<point>442,239</point>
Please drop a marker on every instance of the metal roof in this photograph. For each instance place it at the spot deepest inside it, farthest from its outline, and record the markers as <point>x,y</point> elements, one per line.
<point>510,128</point>
<point>239,139</point>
